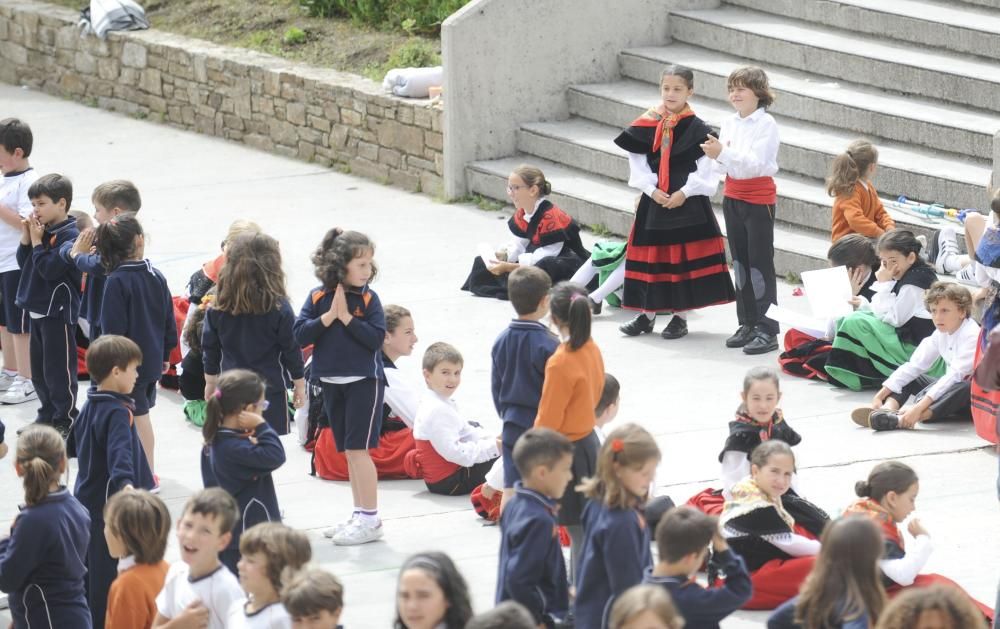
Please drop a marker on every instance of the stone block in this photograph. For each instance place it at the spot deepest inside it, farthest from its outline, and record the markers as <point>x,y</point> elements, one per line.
<point>287,151</point>
<point>72,84</point>
<point>101,88</point>
<point>320,123</point>
<point>399,136</point>
<point>350,117</point>
<point>200,68</point>
<point>187,115</point>
<point>134,55</point>
<point>295,113</point>
<point>431,184</point>
<point>174,114</point>
<point>364,168</point>
<point>368,151</point>
<point>338,137</point>
<point>13,53</point>
<point>405,114</point>
<point>436,123</point>
<point>149,81</point>
<point>95,46</point>
<point>307,151</point>
<point>422,117</point>
<point>390,157</point>
<point>108,68</point>
<point>156,104</point>
<point>233,122</point>
<point>85,63</point>
<point>283,133</point>
<point>47,36</point>
<point>261,142</point>
<point>434,140</point>
<point>312,136</point>
<point>419,163</point>
<point>404,180</point>
<point>157,61</point>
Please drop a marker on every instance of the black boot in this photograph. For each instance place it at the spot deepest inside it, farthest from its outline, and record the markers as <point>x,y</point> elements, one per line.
<point>641,324</point>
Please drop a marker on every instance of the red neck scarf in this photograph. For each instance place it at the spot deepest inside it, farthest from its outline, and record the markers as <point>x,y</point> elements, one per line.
<point>871,509</point>
<point>664,121</point>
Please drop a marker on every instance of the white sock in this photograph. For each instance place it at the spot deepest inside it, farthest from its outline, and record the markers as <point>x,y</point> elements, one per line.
<point>10,372</point>
<point>368,517</point>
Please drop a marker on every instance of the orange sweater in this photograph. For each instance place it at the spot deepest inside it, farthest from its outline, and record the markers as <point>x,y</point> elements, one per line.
<point>572,387</point>
<point>132,599</point>
<point>861,213</point>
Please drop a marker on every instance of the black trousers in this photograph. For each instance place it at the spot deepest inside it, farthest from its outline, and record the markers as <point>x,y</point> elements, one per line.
<point>463,481</point>
<point>954,403</point>
<point>750,230</point>
<point>53,370</point>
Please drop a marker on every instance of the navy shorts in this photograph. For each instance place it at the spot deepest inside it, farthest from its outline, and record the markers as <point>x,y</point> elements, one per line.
<point>15,319</point>
<point>354,411</point>
<point>508,437</point>
<point>144,396</point>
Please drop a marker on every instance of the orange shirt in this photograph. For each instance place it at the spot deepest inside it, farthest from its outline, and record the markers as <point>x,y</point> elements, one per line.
<point>132,599</point>
<point>573,384</point>
<point>860,213</point>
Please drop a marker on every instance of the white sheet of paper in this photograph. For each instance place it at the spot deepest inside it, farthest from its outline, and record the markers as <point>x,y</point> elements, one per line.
<point>488,254</point>
<point>828,292</point>
<point>813,326</point>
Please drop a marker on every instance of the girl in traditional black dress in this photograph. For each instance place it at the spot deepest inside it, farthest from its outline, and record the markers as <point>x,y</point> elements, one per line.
<point>676,258</point>
<point>544,236</point>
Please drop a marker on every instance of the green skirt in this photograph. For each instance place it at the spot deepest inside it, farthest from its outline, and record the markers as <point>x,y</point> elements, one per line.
<point>606,257</point>
<point>867,350</point>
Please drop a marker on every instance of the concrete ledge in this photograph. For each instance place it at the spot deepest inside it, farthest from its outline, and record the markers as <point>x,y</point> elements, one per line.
<point>863,109</point>
<point>279,106</point>
<point>956,27</point>
<point>510,61</point>
<point>895,66</point>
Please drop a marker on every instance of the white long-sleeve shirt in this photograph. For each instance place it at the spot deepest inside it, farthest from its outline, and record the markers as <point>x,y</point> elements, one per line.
<point>402,396</point>
<point>749,146</point>
<point>517,250</point>
<point>896,309</point>
<point>736,467</point>
<point>703,181</point>
<point>451,436</point>
<point>958,350</point>
<point>905,569</point>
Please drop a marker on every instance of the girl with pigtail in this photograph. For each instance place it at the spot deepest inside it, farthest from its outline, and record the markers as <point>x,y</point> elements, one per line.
<point>574,380</point>
<point>857,208</point>
<point>48,540</point>
<point>241,451</point>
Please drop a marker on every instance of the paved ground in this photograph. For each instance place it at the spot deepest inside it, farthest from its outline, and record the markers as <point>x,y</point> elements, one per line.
<point>683,391</point>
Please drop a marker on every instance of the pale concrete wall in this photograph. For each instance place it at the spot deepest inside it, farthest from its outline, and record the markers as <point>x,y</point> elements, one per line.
<point>510,61</point>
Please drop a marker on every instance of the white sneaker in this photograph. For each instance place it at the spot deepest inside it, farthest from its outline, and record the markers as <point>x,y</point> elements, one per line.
<point>967,275</point>
<point>358,533</point>
<point>21,391</point>
<point>337,528</point>
<point>947,260</point>
<point>6,381</point>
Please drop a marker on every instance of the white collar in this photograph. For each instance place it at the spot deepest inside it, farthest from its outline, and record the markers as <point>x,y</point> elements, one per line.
<point>528,215</point>
<point>126,563</point>
<point>753,117</point>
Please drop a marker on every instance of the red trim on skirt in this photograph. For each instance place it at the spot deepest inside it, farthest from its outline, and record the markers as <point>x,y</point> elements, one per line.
<point>675,253</point>
<point>654,278</point>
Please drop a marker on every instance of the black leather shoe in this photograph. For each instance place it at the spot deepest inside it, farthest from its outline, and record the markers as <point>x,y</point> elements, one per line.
<point>741,337</point>
<point>595,306</point>
<point>641,324</point>
<point>677,328</point>
<point>761,343</point>
<point>883,420</point>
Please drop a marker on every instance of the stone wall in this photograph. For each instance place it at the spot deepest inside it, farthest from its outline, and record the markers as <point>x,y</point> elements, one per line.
<point>292,109</point>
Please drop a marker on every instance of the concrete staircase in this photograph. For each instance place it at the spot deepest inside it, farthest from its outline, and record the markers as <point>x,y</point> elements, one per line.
<point>920,78</point>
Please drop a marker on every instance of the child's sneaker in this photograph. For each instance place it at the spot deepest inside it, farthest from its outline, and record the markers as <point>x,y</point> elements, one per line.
<point>944,248</point>
<point>860,416</point>
<point>335,530</point>
<point>357,532</point>
<point>21,391</point>
<point>967,275</point>
<point>6,380</point>
<point>884,420</point>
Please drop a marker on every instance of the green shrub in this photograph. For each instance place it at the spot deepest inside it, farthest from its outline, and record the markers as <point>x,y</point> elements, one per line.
<point>415,53</point>
<point>294,36</point>
<point>411,16</point>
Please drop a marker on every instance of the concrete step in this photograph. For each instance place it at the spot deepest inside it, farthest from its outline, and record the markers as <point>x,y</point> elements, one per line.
<point>993,4</point>
<point>860,108</point>
<point>595,200</point>
<point>896,66</point>
<point>806,149</point>
<point>947,25</point>
<point>586,145</point>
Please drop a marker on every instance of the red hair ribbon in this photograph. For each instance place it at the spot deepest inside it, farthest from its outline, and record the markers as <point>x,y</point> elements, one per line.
<point>617,445</point>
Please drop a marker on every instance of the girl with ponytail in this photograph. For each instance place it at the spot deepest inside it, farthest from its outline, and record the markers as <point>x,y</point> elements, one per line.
<point>574,380</point>
<point>48,541</point>
<point>241,451</point>
<point>544,236</point>
<point>856,206</point>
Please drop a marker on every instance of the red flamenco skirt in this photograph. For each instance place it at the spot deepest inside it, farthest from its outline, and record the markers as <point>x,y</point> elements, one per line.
<point>927,580</point>
<point>778,581</point>
<point>708,501</point>
<point>388,456</point>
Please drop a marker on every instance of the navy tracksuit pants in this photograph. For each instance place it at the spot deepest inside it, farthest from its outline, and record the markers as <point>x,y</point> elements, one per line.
<point>102,569</point>
<point>53,370</point>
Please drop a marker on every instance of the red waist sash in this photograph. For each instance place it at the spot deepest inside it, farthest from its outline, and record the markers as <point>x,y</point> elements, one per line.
<point>756,190</point>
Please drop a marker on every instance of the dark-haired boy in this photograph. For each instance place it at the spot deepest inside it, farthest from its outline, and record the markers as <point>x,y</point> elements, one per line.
<point>532,570</point>
<point>682,539</point>
<point>199,590</point>
<point>49,291</point>
<point>110,199</point>
<point>519,356</point>
<point>105,441</point>
<point>16,141</point>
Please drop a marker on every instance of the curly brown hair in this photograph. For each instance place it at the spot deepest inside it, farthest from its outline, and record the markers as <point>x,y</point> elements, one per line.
<point>252,280</point>
<point>905,610</point>
<point>336,251</point>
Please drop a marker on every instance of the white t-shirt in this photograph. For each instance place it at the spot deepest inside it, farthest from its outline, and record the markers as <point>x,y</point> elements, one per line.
<point>273,616</point>
<point>216,591</point>
<point>14,194</point>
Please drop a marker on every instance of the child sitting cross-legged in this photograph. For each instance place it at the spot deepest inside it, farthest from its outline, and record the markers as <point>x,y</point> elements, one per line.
<point>314,599</point>
<point>948,397</point>
<point>136,528</point>
<point>452,453</point>
<point>199,590</point>
<point>266,550</point>
<point>682,540</point>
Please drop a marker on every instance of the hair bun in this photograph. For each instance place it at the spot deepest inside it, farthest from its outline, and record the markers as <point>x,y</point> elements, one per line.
<point>862,489</point>
<point>546,188</point>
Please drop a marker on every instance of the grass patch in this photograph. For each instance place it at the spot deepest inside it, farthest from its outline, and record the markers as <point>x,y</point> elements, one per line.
<point>599,230</point>
<point>483,203</point>
<point>793,278</point>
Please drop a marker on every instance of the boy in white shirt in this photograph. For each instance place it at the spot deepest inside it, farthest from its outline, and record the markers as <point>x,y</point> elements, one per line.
<point>953,340</point>
<point>267,551</point>
<point>199,590</point>
<point>454,455</point>
<point>16,142</point>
